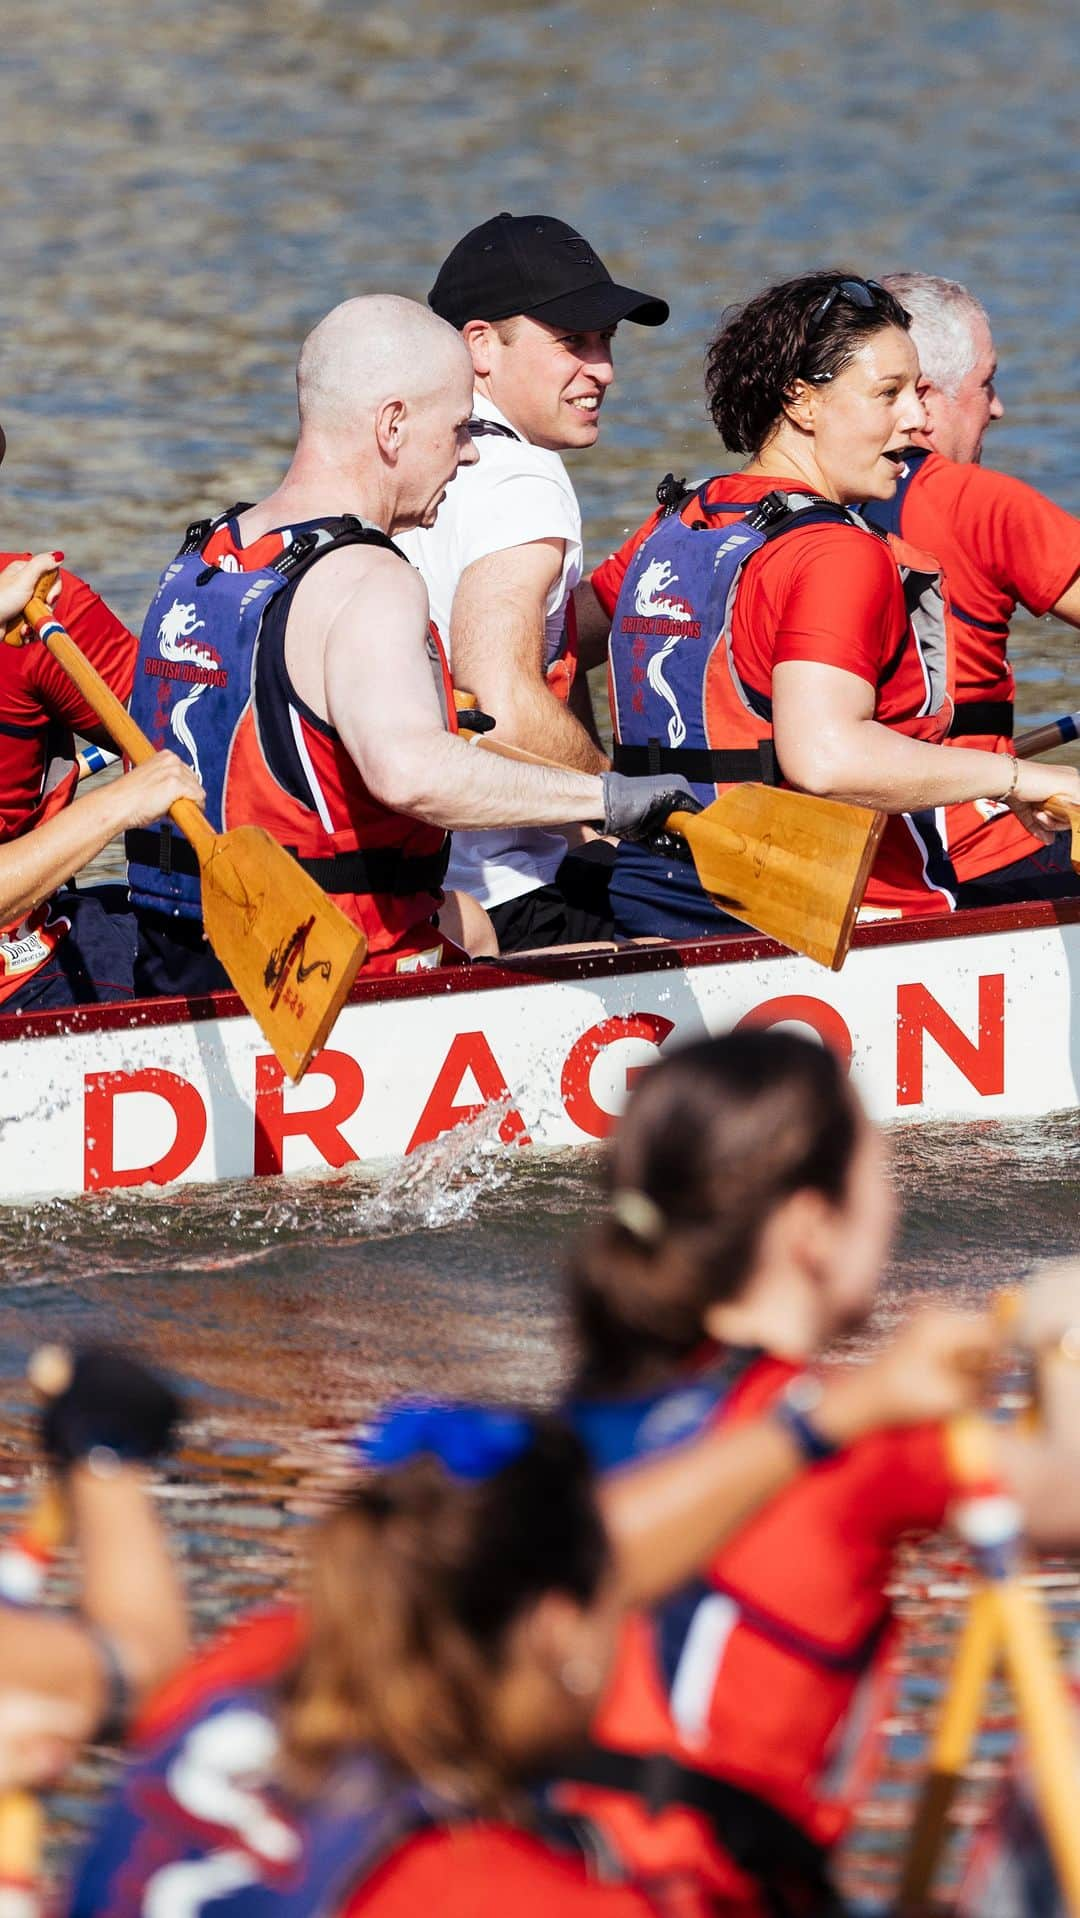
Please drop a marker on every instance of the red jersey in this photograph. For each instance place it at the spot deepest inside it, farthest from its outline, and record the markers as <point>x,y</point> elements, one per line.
<point>1001,545</point>
<point>40,710</point>
<point>492,1871</point>
<point>831,595</point>
<point>785,1632</point>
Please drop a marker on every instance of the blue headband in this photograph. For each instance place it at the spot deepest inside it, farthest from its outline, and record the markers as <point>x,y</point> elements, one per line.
<point>472,1441</point>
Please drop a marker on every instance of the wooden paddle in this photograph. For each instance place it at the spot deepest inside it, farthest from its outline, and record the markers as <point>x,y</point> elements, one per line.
<point>788,864</point>
<point>290,952</point>
<point>1005,1625</point>
<point>1068,812</point>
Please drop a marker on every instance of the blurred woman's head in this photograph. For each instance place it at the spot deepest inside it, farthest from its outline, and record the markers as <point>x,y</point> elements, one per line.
<point>820,372</point>
<point>462,1608</point>
<point>748,1201</point>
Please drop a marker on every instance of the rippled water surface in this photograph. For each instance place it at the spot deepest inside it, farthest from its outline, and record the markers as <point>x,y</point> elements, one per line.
<point>184,190</point>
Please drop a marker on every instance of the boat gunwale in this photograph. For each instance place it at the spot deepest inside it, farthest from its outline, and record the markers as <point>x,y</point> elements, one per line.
<point>545,968</point>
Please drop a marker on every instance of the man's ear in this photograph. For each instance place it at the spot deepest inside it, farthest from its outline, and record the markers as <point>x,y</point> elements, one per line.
<point>479,336</point>
<point>390,428</point>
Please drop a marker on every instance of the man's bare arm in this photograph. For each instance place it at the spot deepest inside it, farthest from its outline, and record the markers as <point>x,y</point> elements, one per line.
<point>593,627</point>
<point>581,705</point>
<point>497,643</point>
<point>380,696</point>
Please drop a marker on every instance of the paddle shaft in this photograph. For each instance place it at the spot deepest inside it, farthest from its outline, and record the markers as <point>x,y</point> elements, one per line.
<point>1043,739</point>
<point>115,717</point>
<point>491,745</point>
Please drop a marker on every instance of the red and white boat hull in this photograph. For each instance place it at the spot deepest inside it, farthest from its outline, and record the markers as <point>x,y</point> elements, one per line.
<point>974,1016</point>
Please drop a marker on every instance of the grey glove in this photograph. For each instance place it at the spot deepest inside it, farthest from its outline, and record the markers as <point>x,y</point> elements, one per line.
<point>637,808</point>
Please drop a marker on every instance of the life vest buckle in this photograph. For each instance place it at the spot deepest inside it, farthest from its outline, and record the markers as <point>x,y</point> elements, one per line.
<point>672,493</point>
<point>294,556</point>
<point>769,511</point>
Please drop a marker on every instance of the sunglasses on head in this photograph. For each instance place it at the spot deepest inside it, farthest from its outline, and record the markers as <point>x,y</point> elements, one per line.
<point>866,294</point>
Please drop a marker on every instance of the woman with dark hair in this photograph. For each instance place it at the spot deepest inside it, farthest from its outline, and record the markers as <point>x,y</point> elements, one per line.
<point>374,1753</point>
<point>749,1216</point>
<point>761,630</point>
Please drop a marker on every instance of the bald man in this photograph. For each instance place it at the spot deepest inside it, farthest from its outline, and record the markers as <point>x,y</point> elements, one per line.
<point>288,657</point>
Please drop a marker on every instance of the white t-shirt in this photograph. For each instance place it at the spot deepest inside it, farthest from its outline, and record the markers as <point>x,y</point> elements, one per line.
<point>516,493</point>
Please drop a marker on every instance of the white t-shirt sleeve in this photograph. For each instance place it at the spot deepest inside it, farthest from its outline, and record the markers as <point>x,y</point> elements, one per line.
<point>517,508</point>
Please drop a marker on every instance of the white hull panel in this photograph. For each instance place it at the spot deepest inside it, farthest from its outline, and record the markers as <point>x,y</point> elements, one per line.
<point>937,1026</point>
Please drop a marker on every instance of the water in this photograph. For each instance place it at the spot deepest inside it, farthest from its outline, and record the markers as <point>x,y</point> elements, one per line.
<point>184,191</point>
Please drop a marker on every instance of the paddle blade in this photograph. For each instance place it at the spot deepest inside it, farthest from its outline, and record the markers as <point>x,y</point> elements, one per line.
<point>290,952</point>
<point>790,865</point>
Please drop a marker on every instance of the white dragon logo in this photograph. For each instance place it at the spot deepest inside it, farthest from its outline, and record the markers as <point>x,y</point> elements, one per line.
<point>649,601</point>
<point>650,589</point>
<point>175,642</point>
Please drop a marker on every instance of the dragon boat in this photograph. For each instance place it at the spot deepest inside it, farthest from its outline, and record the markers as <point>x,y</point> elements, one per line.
<point>973,1016</point>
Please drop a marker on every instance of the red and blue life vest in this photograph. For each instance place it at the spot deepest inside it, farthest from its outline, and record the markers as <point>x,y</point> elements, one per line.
<point>199,1825</point>
<point>648,1780</point>
<point>677,700</point>
<point>211,684</point>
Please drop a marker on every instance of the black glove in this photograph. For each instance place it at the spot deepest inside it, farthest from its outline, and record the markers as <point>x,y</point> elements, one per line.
<point>112,1400</point>
<point>637,808</point>
<point>471,720</point>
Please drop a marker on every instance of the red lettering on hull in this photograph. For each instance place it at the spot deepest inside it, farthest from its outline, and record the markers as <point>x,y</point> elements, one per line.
<point>797,1009</point>
<point>322,1125</point>
<point>100,1171</point>
<point>982,1060</point>
<point>577,1093</point>
<point>469,1052</point>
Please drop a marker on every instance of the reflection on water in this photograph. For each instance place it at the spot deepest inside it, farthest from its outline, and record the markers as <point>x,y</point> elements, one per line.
<point>184,191</point>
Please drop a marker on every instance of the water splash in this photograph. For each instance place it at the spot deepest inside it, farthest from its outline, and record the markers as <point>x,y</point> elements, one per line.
<point>442,1183</point>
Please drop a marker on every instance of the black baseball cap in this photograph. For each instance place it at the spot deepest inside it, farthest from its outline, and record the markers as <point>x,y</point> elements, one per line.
<point>529,263</point>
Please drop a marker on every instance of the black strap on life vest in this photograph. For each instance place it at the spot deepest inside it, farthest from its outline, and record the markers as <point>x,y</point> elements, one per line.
<point>985,716</point>
<point>493,429</point>
<point>382,870</point>
<point>200,529</point>
<point>700,763</point>
<point>790,1866</point>
<point>310,544</point>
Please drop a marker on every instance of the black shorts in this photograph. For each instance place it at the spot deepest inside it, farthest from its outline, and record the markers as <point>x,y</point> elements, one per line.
<point>573,910</point>
<point>175,957</point>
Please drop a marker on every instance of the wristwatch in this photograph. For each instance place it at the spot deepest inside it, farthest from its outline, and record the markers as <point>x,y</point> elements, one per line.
<point>795,1409</point>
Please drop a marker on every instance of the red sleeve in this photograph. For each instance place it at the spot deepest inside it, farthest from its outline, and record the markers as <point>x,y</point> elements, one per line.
<point>107,644</point>
<point>1018,538</point>
<point>835,599</point>
<point>488,1872</point>
<point>611,572</point>
<point>912,1483</point>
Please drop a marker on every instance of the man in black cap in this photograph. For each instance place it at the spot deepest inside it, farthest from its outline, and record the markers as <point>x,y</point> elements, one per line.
<point>538,311</point>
